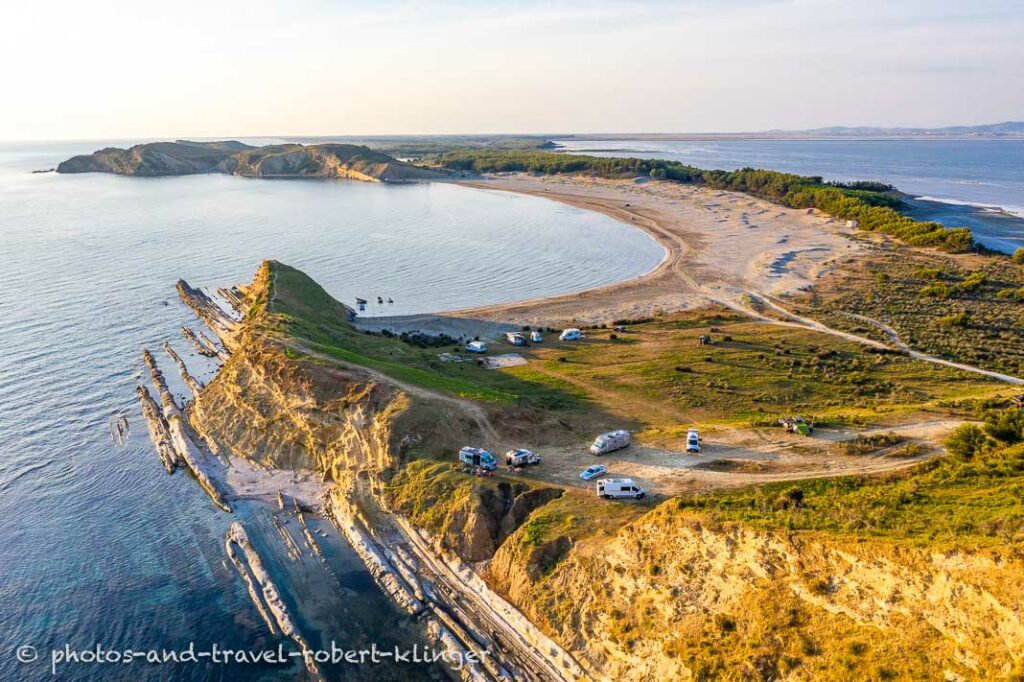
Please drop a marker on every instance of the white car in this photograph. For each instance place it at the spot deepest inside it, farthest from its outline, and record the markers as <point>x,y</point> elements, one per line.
<point>535,337</point>
<point>571,334</point>
<point>593,472</point>
<point>476,347</point>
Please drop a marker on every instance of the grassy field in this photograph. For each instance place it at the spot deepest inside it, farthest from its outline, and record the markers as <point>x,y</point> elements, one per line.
<point>970,309</point>
<point>945,502</point>
<point>655,377</point>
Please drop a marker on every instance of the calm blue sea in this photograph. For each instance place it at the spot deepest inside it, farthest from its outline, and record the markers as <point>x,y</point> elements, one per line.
<point>956,180</point>
<point>97,544</point>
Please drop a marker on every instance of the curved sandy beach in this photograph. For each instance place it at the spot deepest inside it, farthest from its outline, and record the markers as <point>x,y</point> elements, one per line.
<point>721,246</point>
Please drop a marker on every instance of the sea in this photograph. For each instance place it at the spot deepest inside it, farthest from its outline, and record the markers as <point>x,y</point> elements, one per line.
<point>975,183</point>
<point>99,547</point>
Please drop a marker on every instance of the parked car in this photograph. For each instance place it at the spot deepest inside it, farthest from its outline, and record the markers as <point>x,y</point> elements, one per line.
<point>592,472</point>
<point>536,337</point>
<point>515,338</point>
<point>618,488</point>
<point>571,334</point>
<point>797,425</point>
<point>521,457</point>
<point>693,442</point>
<point>610,442</point>
<point>476,347</point>
<point>477,457</point>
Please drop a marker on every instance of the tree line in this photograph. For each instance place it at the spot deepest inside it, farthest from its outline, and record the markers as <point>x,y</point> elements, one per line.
<point>869,203</point>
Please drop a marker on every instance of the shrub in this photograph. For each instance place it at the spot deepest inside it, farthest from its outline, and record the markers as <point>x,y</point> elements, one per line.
<point>1018,256</point>
<point>928,273</point>
<point>967,441</point>
<point>955,320</point>
<point>1006,425</point>
<point>973,281</point>
<point>936,290</point>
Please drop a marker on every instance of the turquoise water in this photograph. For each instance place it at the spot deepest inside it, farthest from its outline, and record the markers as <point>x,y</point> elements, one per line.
<point>957,180</point>
<point>97,544</point>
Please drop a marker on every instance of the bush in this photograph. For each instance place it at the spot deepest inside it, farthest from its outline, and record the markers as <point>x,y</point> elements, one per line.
<point>1006,425</point>
<point>973,281</point>
<point>928,273</point>
<point>955,320</point>
<point>967,441</point>
<point>1018,256</point>
<point>936,290</point>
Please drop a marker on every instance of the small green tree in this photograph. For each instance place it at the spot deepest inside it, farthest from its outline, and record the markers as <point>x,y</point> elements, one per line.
<point>967,441</point>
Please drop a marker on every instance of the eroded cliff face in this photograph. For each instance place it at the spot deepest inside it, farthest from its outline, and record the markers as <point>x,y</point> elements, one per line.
<point>282,413</point>
<point>671,597</point>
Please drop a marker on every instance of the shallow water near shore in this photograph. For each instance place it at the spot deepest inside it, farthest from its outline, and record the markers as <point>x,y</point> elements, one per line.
<point>962,183</point>
<point>97,544</point>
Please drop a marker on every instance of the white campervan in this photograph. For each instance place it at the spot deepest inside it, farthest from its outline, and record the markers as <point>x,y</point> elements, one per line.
<point>610,442</point>
<point>693,442</point>
<point>618,488</point>
<point>571,334</point>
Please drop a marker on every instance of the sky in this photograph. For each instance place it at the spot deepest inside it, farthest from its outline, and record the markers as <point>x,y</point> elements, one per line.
<point>114,69</point>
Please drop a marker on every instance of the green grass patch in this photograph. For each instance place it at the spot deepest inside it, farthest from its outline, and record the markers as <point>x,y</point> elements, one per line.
<point>943,502</point>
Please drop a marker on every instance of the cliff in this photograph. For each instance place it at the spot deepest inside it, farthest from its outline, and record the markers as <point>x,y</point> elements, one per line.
<point>155,158</point>
<point>235,158</point>
<point>671,592</point>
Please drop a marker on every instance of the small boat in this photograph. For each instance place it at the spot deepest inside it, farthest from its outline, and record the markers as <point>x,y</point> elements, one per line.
<point>380,301</point>
<point>360,301</point>
<point>390,300</point>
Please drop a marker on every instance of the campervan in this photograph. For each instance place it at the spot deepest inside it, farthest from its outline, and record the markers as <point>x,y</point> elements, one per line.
<point>693,442</point>
<point>521,457</point>
<point>571,334</point>
<point>477,457</point>
<point>617,488</point>
<point>610,442</point>
<point>515,338</point>
<point>536,337</point>
<point>476,347</point>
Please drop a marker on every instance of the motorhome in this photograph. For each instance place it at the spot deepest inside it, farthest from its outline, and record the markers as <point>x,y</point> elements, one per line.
<point>693,442</point>
<point>477,457</point>
<point>571,334</point>
<point>476,347</point>
<point>618,488</point>
<point>521,457</point>
<point>610,442</point>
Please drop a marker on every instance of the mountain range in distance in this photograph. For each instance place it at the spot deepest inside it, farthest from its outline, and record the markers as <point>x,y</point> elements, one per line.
<point>1005,130</point>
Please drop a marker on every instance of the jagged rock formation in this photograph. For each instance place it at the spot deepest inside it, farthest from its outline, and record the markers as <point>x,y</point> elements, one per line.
<point>235,158</point>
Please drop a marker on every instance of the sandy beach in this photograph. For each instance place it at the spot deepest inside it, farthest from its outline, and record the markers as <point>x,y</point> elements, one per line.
<point>720,247</point>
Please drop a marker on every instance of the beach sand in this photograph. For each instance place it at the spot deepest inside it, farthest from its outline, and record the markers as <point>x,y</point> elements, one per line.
<point>720,246</point>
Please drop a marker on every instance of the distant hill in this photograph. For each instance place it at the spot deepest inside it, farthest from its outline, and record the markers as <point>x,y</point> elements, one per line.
<point>1008,128</point>
<point>235,158</point>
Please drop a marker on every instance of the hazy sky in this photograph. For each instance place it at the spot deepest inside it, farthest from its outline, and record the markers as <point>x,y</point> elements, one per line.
<point>135,69</point>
